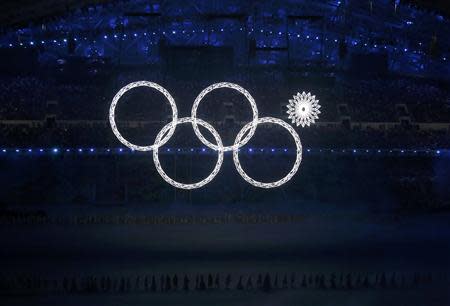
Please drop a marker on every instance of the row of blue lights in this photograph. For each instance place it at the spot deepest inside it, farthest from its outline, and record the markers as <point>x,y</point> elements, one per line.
<point>248,150</point>
<point>354,42</point>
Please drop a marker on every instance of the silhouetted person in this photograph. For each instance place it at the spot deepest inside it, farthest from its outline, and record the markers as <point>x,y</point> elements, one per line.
<point>348,281</point>
<point>304,282</point>
<point>202,285</point>
<point>217,281</point>
<point>210,281</point>
<point>175,282</point>
<point>168,285</point>
<point>333,281</point>
<point>161,283</point>
<point>285,282</point>
<point>383,282</point>
<point>275,282</point>
<point>267,286</point>
<point>366,283</point>
<point>185,283</point>
<point>259,282</point>
<point>146,283</point>
<point>292,280</point>
<point>249,285</point>
<point>393,282</point>
<point>153,286</point>
<point>240,286</point>
<point>322,282</point>
<point>228,282</point>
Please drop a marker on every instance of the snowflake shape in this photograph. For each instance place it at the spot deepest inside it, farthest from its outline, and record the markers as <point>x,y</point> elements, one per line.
<point>303,109</point>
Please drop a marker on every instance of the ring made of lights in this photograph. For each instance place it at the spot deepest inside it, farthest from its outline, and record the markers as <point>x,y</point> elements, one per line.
<point>112,110</point>
<point>216,169</point>
<point>297,162</point>
<point>253,125</point>
<point>167,131</point>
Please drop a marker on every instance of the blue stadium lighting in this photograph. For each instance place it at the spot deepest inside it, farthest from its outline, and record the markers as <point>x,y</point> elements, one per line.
<point>108,150</point>
<point>285,150</point>
<point>65,40</point>
<point>379,151</point>
<point>221,30</point>
<point>354,150</point>
<point>30,150</point>
<point>168,150</point>
<point>135,35</point>
<point>273,150</point>
<point>438,152</point>
<point>55,150</point>
<point>41,150</point>
<point>92,150</point>
<point>32,43</point>
<point>67,150</point>
<point>115,35</point>
<point>307,36</point>
<point>4,150</point>
<point>179,150</point>
<point>203,150</point>
<point>80,150</point>
<point>10,45</point>
<point>402,151</point>
<point>317,37</point>
<point>298,35</point>
<point>42,42</point>
<point>279,33</point>
<point>120,150</point>
<point>192,150</point>
<point>17,150</point>
<point>309,150</point>
<point>406,49</point>
<point>250,150</point>
<point>105,37</point>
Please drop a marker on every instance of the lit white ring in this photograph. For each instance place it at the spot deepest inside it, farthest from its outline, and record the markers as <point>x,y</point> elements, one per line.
<point>112,120</point>
<point>253,123</point>
<point>202,182</point>
<point>291,173</point>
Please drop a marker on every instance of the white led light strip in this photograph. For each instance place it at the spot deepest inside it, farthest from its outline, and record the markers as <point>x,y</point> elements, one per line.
<point>167,131</point>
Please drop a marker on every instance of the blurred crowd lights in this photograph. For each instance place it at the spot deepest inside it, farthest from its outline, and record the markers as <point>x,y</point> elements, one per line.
<point>251,150</point>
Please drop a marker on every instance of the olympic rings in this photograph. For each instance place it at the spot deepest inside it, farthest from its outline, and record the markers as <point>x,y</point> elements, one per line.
<point>112,120</point>
<point>167,131</point>
<point>297,162</point>
<point>253,123</point>
<point>202,182</point>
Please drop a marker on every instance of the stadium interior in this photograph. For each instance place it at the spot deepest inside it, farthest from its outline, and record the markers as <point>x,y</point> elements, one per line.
<point>86,220</point>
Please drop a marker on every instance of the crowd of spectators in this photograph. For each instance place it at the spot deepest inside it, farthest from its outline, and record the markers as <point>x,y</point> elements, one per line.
<point>372,100</point>
<point>213,282</point>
